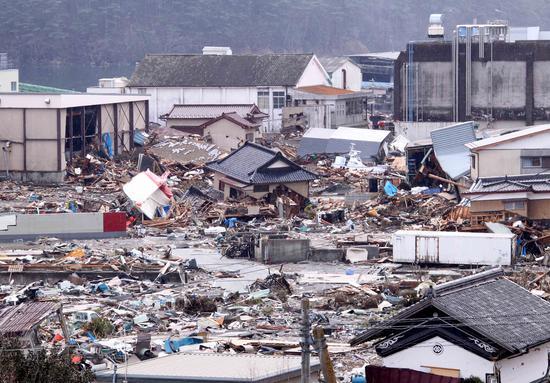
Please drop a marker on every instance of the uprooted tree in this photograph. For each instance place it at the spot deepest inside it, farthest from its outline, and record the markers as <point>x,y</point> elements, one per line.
<point>39,366</point>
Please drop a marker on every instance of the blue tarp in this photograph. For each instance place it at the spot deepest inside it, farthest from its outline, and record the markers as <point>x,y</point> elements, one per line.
<point>390,189</point>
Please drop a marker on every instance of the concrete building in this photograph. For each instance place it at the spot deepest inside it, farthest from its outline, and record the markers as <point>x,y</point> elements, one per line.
<point>188,117</point>
<point>40,132</point>
<point>114,85</point>
<point>343,72</point>
<point>322,106</point>
<point>265,80</point>
<point>259,172</point>
<point>478,75</point>
<point>212,367</point>
<point>469,327</point>
<point>523,152</point>
<point>9,80</point>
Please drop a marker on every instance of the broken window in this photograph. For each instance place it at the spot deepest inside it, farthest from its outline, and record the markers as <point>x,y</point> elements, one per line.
<point>263,99</point>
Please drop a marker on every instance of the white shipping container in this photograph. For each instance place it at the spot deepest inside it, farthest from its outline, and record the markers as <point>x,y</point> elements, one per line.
<point>455,248</point>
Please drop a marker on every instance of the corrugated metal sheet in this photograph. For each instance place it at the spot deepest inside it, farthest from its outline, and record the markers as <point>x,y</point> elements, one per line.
<point>449,145</point>
<point>19,320</point>
<point>377,374</point>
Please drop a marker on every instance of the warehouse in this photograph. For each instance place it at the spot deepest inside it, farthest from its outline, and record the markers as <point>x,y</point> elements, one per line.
<point>40,132</point>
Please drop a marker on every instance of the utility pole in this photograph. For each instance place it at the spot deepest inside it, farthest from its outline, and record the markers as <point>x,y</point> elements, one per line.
<point>326,364</point>
<point>306,371</point>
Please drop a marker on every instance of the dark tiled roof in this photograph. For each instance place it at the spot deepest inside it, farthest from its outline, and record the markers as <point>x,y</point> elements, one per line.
<point>521,183</point>
<point>235,118</point>
<point>211,111</point>
<point>158,70</point>
<point>498,309</point>
<point>250,165</point>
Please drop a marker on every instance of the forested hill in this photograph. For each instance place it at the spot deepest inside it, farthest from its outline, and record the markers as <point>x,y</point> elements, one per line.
<point>103,32</point>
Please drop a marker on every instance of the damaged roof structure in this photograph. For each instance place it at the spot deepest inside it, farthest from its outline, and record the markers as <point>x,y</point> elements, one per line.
<point>369,142</point>
<point>450,150</point>
<point>485,315</point>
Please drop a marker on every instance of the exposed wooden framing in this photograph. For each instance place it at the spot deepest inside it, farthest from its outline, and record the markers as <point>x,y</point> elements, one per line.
<point>131,121</point>
<point>25,140</point>
<point>58,124</point>
<point>83,131</point>
<point>115,126</point>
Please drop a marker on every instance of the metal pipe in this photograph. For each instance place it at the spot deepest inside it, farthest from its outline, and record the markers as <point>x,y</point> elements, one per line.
<point>306,369</point>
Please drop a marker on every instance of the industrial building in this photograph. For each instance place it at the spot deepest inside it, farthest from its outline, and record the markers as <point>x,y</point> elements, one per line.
<point>484,73</point>
<point>40,132</point>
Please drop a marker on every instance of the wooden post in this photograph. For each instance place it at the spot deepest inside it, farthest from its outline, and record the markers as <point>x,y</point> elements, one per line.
<point>59,146</point>
<point>115,123</point>
<point>306,370</point>
<point>326,363</point>
<point>83,131</point>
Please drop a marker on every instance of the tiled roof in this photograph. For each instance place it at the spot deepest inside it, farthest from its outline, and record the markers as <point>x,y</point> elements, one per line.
<point>210,111</point>
<point>249,165</point>
<point>324,90</point>
<point>332,63</point>
<point>497,308</point>
<point>536,183</point>
<point>19,320</point>
<point>235,118</point>
<point>177,70</point>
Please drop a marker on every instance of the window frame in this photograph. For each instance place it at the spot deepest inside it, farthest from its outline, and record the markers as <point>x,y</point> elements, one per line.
<point>261,188</point>
<point>263,94</point>
<point>13,86</point>
<point>277,97</point>
<point>530,159</point>
<point>514,205</point>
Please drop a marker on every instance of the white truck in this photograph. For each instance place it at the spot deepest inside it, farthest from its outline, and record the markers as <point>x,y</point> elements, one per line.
<point>453,248</point>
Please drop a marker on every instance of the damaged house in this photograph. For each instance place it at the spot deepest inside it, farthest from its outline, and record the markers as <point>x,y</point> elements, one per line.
<point>259,172</point>
<point>512,175</point>
<point>482,326</point>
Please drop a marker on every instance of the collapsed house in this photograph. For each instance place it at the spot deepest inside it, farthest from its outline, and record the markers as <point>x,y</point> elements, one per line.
<point>256,171</point>
<point>40,132</point>
<point>371,143</point>
<point>483,326</point>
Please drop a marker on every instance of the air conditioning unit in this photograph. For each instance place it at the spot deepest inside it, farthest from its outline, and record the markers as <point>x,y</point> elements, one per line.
<point>436,30</point>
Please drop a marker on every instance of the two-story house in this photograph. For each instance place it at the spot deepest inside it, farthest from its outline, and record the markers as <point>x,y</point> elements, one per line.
<point>265,80</point>
<point>511,175</point>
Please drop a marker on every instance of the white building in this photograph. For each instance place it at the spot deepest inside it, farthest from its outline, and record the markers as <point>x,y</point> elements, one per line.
<point>114,85</point>
<point>265,80</point>
<point>482,326</point>
<point>9,80</point>
<point>343,72</point>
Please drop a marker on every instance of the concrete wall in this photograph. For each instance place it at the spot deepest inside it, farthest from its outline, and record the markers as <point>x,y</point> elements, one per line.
<point>283,250</point>
<point>421,357</point>
<point>227,135</point>
<point>525,368</point>
<point>508,85</point>
<point>7,76</point>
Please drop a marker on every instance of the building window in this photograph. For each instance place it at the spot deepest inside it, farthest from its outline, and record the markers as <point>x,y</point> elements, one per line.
<point>249,137</point>
<point>490,378</point>
<point>261,188</point>
<point>279,99</point>
<point>473,162</point>
<point>14,86</point>
<point>531,162</point>
<point>142,90</point>
<point>514,205</point>
<point>344,79</point>
<point>263,99</point>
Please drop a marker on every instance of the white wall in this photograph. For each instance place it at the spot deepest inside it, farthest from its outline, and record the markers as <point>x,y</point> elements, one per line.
<point>7,76</point>
<point>314,74</point>
<point>453,357</point>
<point>525,368</point>
<point>354,77</point>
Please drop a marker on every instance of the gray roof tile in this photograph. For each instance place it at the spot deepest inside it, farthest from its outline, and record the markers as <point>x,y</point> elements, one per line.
<point>521,183</point>
<point>164,70</point>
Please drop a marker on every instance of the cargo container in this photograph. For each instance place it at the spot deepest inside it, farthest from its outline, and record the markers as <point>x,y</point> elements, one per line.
<point>454,248</point>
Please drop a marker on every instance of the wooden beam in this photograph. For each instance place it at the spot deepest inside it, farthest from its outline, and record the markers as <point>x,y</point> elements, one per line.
<point>99,126</point>
<point>146,115</point>
<point>70,133</point>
